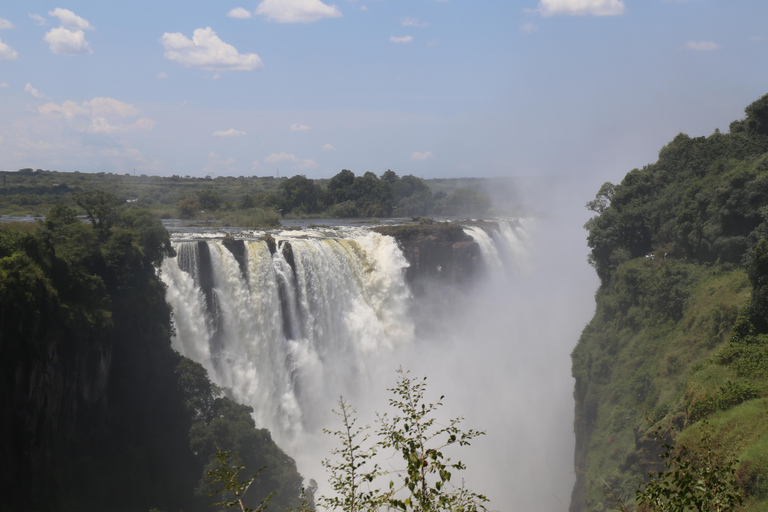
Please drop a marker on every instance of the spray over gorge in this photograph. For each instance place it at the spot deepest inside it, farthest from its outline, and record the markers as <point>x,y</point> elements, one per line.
<point>288,321</point>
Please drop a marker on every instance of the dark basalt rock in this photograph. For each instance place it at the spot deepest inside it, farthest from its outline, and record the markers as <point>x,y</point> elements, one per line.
<point>440,251</point>
<point>237,248</point>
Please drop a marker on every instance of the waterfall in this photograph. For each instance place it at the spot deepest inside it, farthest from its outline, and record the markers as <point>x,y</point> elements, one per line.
<point>288,324</point>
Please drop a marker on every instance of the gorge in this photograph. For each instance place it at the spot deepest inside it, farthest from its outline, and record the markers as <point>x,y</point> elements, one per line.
<point>288,321</point>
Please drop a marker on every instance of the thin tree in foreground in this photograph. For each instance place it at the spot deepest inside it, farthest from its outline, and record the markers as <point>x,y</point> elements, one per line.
<point>422,482</point>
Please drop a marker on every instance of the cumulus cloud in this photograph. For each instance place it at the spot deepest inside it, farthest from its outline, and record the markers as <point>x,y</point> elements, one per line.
<point>413,22</point>
<point>529,28</point>
<point>274,158</point>
<point>4,84</point>
<point>7,53</point>
<point>228,133</point>
<point>239,13</point>
<point>70,20</point>
<point>299,127</point>
<point>296,11</point>
<point>34,92</point>
<point>580,7</point>
<point>100,115</point>
<point>419,155</point>
<point>39,20</point>
<point>306,163</point>
<point>702,46</point>
<point>205,50</point>
<point>63,41</point>
<point>329,147</point>
<point>5,24</point>
<point>404,39</point>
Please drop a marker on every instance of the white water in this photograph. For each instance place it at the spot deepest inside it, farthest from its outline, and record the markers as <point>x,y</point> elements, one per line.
<point>345,307</point>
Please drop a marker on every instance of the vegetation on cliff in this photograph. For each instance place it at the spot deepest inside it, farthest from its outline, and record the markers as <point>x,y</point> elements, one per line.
<point>95,413</point>
<point>679,332</point>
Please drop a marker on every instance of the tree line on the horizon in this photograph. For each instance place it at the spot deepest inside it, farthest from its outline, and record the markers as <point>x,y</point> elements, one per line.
<point>346,196</point>
<point>251,201</point>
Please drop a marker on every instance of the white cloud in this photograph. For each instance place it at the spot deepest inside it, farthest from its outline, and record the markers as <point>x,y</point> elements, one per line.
<point>275,158</point>
<point>228,133</point>
<point>4,85</point>
<point>529,28</point>
<point>240,13</point>
<point>299,127</point>
<point>39,20</point>
<point>296,11</point>
<point>413,22</point>
<point>162,75</point>
<point>7,53</point>
<point>757,38</point>
<point>63,41</point>
<point>34,92</point>
<point>70,20</point>
<point>329,147</point>
<point>404,39</point>
<point>307,164</point>
<point>703,46</point>
<point>363,8</point>
<point>5,24</point>
<point>580,7</point>
<point>418,155</point>
<point>205,50</point>
<point>433,42</point>
<point>100,115</point>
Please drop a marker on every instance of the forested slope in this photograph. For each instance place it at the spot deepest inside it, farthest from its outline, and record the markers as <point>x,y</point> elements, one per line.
<point>97,411</point>
<point>680,333</point>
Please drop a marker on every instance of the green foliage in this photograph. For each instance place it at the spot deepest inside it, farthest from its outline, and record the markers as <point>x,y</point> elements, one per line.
<point>100,207</point>
<point>727,396</point>
<point>226,474</point>
<point>220,424</point>
<point>208,199</point>
<point>188,207</point>
<point>699,480</point>
<point>353,470</point>
<point>703,199</point>
<point>677,331</point>
<point>415,434</point>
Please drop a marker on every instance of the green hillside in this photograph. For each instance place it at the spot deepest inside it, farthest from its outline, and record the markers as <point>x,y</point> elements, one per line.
<point>679,339</point>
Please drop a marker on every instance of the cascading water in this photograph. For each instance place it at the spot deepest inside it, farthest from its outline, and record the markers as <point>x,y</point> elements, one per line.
<point>288,322</point>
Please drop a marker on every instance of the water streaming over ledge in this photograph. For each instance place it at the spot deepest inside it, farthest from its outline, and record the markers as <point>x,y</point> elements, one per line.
<point>288,322</point>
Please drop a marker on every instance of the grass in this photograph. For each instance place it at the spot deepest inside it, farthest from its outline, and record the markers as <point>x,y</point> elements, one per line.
<point>644,365</point>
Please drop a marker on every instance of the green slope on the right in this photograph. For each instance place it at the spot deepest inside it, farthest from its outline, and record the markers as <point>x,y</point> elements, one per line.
<point>680,332</point>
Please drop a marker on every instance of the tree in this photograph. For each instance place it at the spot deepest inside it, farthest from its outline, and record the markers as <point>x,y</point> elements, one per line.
<point>209,199</point>
<point>188,207</point>
<point>101,208</point>
<point>340,186</point>
<point>694,479</point>
<point>300,192</point>
<point>603,198</point>
<point>413,431</point>
<point>349,476</point>
<point>227,475</point>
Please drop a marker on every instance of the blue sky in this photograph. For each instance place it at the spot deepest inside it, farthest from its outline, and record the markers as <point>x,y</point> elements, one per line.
<point>433,88</point>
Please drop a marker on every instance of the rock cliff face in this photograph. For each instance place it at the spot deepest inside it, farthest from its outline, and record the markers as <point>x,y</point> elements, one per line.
<point>90,414</point>
<point>440,252</point>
